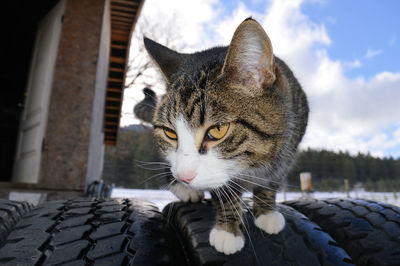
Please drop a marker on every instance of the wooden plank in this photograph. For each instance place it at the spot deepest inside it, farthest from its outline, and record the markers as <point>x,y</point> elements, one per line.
<point>120,32</point>
<point>114,90</point>
<point>116,69</point>
<point>112,115</point>
<point>125,2</point>
<point>115,80</point>
<point>117,37</point>
<point>121,60</point>
<point>108,107</point>
<point>125,29</point>
<point>110,123</point>
<point>124,9</point>
<point>113,99</point>
<point>122,14</point>
<point>126,18</point>
<point>121,19</point>
<point>121,25</point>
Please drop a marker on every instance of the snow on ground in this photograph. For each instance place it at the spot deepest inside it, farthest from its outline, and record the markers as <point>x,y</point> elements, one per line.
<point>163,197</point>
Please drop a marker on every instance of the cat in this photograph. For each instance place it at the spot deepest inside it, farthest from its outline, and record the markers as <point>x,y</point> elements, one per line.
<point>231,119</point>
<point>144,110</point>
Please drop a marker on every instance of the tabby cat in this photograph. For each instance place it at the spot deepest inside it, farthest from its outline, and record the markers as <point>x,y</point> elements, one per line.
<point>231,119</point>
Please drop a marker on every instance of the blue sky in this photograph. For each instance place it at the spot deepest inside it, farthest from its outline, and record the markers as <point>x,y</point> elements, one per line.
<point>357,26</point>
<point>346,54</point>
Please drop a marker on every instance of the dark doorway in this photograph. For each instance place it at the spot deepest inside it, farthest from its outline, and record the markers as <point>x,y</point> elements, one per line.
<point>19,20</point>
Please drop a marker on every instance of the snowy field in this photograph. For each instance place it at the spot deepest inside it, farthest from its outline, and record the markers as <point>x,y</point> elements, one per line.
<point>163,197</point>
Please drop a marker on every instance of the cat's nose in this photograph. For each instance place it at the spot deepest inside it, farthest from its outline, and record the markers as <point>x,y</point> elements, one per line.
<point>187,176</point>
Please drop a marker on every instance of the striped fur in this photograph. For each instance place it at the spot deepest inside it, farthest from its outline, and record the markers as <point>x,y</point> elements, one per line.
<point>263,103</point>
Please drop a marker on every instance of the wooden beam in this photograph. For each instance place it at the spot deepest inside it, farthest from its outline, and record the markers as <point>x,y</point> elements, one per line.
<point>120,31</point>
<point>121,18</point>
<point>113,107</point>
<point>124,9</point>
<point>121,60</point>
<point>115,80</point>
<point>110,142</point>
<point>112,115</point>
<point>125,2</point>
<point>116,69</point>
<point>117,37</point>
<point>122,15</point>
<point>113,99</point>
<point>114,90</point>
<point>119,25</point>
<point>111,123</point>
<point>125,29</point>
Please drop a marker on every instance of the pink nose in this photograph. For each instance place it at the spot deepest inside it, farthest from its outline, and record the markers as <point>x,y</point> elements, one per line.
<point>187,176</point>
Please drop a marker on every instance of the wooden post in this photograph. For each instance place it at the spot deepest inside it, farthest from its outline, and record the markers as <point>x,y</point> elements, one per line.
<point>306,184</point>
<point>305,180</point>
<point>347,187</point>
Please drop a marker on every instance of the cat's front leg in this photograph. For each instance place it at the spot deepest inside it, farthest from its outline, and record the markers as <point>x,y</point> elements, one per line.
<point>267,218</point>
<point>226,235</point>
<point>185,193</point>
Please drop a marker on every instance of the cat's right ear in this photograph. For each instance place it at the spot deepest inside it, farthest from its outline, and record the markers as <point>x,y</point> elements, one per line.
<point>250,59</point>
<point>166,59</point>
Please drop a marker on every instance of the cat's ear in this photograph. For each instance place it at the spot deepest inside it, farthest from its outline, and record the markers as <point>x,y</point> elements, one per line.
<point>167,60</point>
<point>250,57</point>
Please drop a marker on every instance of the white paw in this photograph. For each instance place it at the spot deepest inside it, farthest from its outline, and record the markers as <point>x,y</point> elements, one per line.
<point>272,222</point>
<point>186,194</point>
<point>226,242</point>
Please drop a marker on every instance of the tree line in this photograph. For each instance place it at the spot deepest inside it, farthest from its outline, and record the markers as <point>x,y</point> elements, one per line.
<point>329,169</point>
<point>133,164</point>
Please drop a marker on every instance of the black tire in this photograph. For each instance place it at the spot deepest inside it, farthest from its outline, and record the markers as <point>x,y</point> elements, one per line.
<point>367,230</point>
<point>89,232</point>
<point>302,242</point>
<point>10,213</point>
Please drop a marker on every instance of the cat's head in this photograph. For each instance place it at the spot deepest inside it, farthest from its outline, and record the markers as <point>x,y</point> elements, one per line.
<point>223,112</point>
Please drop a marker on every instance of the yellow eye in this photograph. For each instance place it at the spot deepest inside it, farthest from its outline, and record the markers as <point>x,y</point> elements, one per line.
<point>218,132</point>
<point>170,134</point>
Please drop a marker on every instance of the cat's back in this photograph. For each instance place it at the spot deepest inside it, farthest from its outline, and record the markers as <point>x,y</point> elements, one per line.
<point>297,103</point>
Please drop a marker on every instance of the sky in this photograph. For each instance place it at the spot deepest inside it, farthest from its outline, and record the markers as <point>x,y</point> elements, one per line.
<point>346,55</point>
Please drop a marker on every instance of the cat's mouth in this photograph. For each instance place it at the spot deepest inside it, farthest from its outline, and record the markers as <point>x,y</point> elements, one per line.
<point>203,180</point>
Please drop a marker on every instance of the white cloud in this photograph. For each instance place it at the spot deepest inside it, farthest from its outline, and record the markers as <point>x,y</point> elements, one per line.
<point>372,53</point>
<point>352,64</point>
<point>354,114</point>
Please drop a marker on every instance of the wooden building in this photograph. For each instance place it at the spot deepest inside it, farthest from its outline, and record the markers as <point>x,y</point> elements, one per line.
<point>63,70</point>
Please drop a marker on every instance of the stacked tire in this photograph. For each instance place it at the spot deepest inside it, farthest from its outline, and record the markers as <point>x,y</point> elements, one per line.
<point>134,232</point>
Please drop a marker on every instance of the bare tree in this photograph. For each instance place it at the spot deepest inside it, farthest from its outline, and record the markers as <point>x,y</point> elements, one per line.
<point>141,70</point>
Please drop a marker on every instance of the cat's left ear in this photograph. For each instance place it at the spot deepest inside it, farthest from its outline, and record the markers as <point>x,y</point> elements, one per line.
<point>250,58</point>
<point>168,61</point>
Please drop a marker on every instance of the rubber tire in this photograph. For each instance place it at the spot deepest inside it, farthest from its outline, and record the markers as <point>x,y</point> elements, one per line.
<point>10,213</point>
<point>367,230</point>
<point>90,232</point>
<point>302,242</point>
